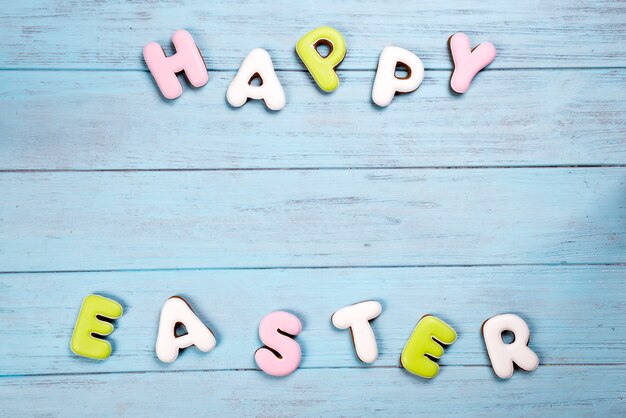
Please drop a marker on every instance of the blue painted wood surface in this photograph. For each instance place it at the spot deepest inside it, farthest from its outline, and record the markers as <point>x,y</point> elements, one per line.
<point>514,118</point>
<point>510,198</point>
<point>302,218</point>
<point>111,35</point>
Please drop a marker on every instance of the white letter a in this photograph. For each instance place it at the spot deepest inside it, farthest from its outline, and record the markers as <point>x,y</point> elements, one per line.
<point>176,311</point>
<point>257,64</point>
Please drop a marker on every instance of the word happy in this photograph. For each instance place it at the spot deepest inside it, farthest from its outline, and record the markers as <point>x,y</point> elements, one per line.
<point>281,353</point>
<point>258,66</point>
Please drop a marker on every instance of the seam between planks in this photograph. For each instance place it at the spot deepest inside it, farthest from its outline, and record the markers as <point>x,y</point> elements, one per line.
<point>293,70</point>
<point>222,268</point>
<point>422,167</point>
<point>5,376</point>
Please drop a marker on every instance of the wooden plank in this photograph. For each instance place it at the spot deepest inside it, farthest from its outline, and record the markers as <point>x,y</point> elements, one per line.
<point>96,34</point>
<point>555,391</point>
<point>54,221</point>
<point>116,120</point>
<point>576,314</point>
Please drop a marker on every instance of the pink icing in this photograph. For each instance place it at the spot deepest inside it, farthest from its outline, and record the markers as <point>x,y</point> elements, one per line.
<point>287,347</point>
<point>468,63</point>
<point>187,58</point>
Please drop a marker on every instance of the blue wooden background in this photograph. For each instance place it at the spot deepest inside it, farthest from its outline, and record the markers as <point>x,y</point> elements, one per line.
<point>510,198</point>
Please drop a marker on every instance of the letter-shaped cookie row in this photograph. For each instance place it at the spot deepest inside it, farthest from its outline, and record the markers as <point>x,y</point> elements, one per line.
<point>258,65</point>
<point>281,354</point>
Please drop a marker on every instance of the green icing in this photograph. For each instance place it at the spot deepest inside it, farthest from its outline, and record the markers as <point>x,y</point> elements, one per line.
<point>422,342</point>
<point>83,342</point>
<point>322,68</point>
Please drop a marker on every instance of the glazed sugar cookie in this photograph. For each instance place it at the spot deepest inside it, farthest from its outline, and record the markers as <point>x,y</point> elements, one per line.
<point>257,64</point>
<point>425,340</point>
<point>322,68</point>
<point>89,326</point>
<point>187,58</point>
<point>357,317</point>
<point>503,356</point>
<point>176,311</point>
<point>387,84</point>
<point>281,354</point>
<point>468,62</point>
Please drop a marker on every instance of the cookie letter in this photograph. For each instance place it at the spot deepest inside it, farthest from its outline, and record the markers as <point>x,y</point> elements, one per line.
<point>386,84</point>
<point>357,317</point>
<point>281,354</point>
<point>503,355</point>
<point>257,64</point>
<point>322,68</point>
<point>176,311</point>
<point>427,335</point>
<point>88,325</point>
<point>187,58</point>
<point>468,62</point>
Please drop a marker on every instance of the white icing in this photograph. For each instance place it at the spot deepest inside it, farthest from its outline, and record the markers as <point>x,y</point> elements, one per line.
<point>258,62</point>
<point>176,311</point>
<point>386,84</point>
<point>503,355</point>
<point>357,317</point>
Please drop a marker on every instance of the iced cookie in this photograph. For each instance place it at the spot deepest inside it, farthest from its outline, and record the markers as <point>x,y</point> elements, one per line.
<point>468,62</point>
<point>387,84</point>
<point>504,356</point>
<point>257,64</point>
<point>176,311</point>
<point>426,340</point>
<point>322,68</point>
<point>92,326</point>
<point>357,317</point>
<point>281,354</point>
<point>187,58</point>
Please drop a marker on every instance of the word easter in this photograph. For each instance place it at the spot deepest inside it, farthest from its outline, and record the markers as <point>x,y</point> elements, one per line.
<point>258,65</point>
<point>281,353</point>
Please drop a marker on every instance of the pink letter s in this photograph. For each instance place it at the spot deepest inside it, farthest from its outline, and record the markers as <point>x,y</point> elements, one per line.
<point>281,354</point>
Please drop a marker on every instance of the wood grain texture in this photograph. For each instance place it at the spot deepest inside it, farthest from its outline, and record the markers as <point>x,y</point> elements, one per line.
<point>468,391</point>
<point>117,120</point>
<point>556,302</point>
<point>56,221</point>
<point>96,34</point>
<point>148,198</point>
